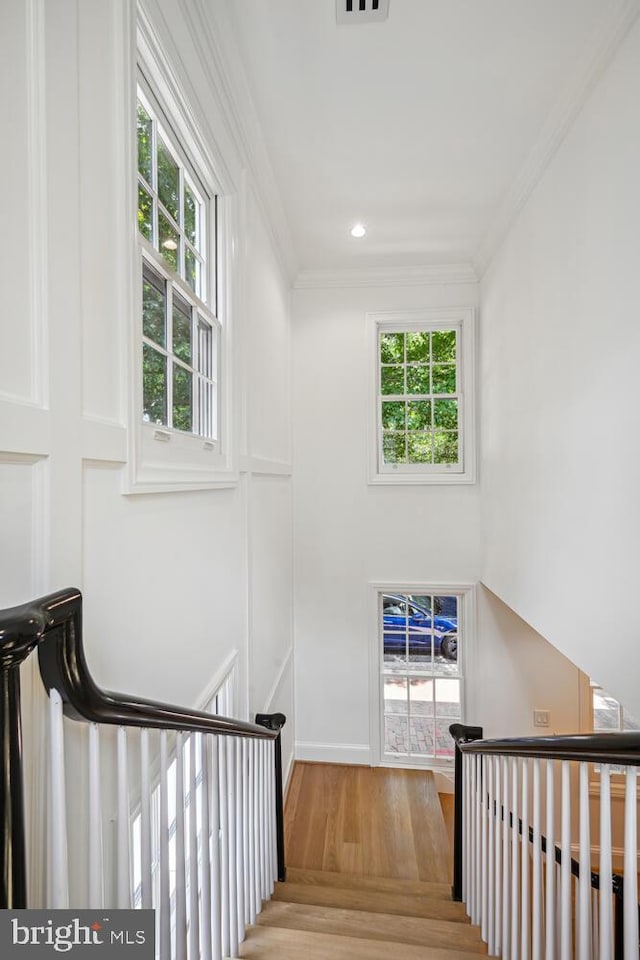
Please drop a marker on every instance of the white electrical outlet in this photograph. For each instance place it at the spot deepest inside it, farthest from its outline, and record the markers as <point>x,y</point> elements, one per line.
<point>541,718</point>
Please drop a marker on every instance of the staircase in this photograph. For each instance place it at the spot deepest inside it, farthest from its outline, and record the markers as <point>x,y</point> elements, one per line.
<point>329,914</point>
<point>321,915</point>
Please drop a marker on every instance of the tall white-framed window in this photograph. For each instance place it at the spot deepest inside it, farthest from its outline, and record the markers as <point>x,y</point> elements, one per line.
<point>422,397</point>
<point>419,634</point>
<point>180,405</point>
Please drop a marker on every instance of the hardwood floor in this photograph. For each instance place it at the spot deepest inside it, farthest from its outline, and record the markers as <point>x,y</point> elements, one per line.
<point>368,872</point>
<point>371,821</point>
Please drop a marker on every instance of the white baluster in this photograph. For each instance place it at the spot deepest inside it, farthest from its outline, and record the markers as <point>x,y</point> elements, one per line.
<point>224,844</point>
<point>263,824</point>
<point>584,883</point>
<point>181,892</point>
<point>255,759</point>
<point>605,904</point>
<point>524,911</point>
<point>515,863</point>
<point>550,868</point>
<point>217,886</point>
<point>473,846</point>
<point>206,911</point>
<point>565,869</point>
<point>240,864</point>
<point>483,847</point>
<point>506,839</point>
<point>124,826</point>
<point>490,857</point>
<point>630,910</point>
<point>246,826</point>
<point>145,822</point>
<point>536,926</point>
<point>466,830</point>
<point>96,889</point>
<point>194,919</point>
<point>251,839</point>
<point>58,892</point>
<point>497,856</point>
<point>164,911</point>
<point>477,842</point>
<point>233,864</point>
<point>467,885</point>
<point>271,762</point>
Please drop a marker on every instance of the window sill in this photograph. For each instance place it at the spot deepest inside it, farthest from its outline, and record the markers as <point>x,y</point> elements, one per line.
<point>166,461</point>
<point>394,479</point>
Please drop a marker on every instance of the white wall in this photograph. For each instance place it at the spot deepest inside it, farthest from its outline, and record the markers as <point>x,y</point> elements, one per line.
<point>172,582</point>
<point>514,671</point>
<point>347,532</point>
<point>560,354</point>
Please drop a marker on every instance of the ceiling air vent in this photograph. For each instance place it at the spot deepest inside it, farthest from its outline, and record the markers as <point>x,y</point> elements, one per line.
<point>361,11</point>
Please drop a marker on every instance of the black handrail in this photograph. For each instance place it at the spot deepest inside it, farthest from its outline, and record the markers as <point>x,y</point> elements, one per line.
<point>614,748</point>
<point>53,626</point>
<point>588,748</point>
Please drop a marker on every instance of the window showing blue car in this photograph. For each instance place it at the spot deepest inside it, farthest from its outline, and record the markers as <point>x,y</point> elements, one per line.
<point>408,625</point>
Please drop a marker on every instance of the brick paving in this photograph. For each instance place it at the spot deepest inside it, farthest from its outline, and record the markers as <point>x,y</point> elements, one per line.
<point>427,738</point>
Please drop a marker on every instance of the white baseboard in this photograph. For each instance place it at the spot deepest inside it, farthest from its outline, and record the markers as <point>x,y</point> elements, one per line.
<point>334,752</point>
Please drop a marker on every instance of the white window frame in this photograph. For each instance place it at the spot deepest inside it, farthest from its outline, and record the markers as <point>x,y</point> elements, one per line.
<point>161,459</point>
<point>466,617</point>
<point>463,320</point>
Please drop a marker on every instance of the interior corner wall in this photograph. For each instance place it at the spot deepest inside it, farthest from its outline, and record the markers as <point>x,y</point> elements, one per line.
<point>516,671</point>
<point>560,348</point>
<point>348,532</point>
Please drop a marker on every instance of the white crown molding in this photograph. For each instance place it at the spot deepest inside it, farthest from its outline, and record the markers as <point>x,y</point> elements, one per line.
<point>386,276</point>
<point>591,67</point>
<point>215,41</point>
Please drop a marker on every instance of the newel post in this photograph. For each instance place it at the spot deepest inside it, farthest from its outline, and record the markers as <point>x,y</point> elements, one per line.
<point>18,638</point>
<point>276,721</point>
<point>460,734</point>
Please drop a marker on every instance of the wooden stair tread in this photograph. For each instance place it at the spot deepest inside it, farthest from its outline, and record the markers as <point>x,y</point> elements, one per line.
<point>358,881</point>
<point>376,901</point>
<point>371,926</point>
<point>266,943</point>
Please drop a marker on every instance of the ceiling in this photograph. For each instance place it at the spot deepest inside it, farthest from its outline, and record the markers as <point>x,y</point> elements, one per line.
<point>419,126</point>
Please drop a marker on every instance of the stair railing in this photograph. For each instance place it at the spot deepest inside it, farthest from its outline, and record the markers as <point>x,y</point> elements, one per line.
<point>207,842</point>
<point>513,845</point>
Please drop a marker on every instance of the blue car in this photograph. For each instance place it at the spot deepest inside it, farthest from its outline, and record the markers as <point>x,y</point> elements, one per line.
<point>404,618</point>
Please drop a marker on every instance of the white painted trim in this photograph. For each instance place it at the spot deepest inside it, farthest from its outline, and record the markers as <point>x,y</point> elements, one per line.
<point>465,318</point>
<point>287,662</point>
<point>333,752</point>
<point>186,463</point>
<point>103,440</point>
<point>262,467</point>
<point>601,50</point>
<point>221,675</point>
<point>37,209</point>
<point>24,428</point>
<point>426,275</point>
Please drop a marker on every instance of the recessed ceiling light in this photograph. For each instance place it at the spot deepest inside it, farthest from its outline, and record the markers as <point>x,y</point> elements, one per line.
<point>358,230</point>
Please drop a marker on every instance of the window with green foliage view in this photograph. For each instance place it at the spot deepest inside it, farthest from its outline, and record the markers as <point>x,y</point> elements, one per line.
<point>180,329</point>
<point>418,399</point>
